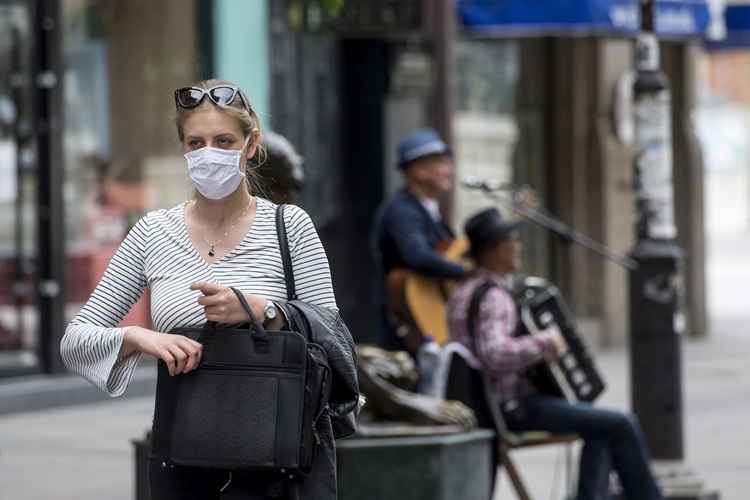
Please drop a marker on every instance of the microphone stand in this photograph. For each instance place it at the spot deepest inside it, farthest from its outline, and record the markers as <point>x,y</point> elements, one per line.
<point>554,225</point>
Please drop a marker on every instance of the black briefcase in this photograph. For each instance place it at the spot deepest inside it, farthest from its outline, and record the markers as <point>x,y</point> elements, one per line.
<point>252,403</point>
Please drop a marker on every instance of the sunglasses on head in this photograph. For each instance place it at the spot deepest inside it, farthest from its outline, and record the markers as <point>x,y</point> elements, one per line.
<point>222,95</point>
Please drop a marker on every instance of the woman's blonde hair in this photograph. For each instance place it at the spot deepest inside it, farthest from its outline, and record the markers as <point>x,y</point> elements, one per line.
<point>246,117</point>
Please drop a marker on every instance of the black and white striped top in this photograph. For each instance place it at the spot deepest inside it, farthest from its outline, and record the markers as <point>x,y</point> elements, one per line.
<point>157,253</point>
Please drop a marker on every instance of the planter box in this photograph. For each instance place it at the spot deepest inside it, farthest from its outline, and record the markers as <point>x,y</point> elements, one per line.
<point>438,467</point>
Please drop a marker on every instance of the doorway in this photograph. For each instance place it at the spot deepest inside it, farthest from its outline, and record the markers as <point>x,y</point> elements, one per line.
<point>364,88</point>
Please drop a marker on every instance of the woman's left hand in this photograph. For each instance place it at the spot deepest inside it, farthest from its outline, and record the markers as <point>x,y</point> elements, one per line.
<point>221,305</point>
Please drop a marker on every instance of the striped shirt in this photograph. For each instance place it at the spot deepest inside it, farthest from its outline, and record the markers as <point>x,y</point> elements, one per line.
<point>157,253</point>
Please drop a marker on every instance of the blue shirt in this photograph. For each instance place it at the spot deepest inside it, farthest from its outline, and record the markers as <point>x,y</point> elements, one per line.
<point>406,237</point>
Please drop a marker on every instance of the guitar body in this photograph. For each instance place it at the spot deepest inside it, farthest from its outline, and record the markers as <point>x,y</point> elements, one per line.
<point>426,298</point>
<point>418,302</point>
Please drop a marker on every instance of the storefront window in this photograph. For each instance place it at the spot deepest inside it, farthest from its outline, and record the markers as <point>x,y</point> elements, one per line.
<point>499,132</point>
<point>123,61</point>
<point>18,336</point>
<point>484,126</point>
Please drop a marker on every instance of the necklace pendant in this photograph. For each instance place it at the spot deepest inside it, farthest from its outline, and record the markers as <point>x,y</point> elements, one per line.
<point>211,252</point>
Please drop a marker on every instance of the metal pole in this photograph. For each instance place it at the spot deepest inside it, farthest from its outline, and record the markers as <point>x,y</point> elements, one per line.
<point>442,33</point>
<point>655,329</point>
<point>442,37</point>
<point>48,123</point>
<point>655,339</point>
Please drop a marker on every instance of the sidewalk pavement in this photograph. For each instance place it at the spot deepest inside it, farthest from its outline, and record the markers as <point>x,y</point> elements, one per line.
<point>76,453</point>
<point>84,452</point>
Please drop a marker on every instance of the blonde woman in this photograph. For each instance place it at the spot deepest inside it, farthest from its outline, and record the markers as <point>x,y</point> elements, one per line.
<point>189,255</point>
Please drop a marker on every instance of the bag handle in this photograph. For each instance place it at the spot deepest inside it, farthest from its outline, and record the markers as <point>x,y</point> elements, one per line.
<point>286,258</point>
<point>259,332</point>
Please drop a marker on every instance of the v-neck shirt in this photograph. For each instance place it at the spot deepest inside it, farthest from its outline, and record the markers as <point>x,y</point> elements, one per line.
<point>157,253</point>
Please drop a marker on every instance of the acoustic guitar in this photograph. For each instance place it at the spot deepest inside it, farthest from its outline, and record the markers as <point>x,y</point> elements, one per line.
<point>418,302</point>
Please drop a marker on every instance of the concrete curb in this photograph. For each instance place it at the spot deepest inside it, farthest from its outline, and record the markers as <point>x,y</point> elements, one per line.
<point>38,392</point>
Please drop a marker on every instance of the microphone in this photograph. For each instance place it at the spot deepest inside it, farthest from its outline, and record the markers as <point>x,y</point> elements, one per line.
<point>489,185</point>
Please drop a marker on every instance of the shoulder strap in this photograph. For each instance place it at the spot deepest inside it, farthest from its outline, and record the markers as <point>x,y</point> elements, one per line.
<point>476,302</point>
<point>286,258</point>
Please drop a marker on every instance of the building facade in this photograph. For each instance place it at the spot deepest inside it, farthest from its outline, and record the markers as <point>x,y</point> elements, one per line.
<point>546,110</point>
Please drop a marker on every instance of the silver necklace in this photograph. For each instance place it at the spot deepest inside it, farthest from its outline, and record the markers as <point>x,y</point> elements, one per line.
<point>212,243</point>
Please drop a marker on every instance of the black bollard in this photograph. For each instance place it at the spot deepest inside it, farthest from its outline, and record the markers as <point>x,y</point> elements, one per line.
<point>655,347</point>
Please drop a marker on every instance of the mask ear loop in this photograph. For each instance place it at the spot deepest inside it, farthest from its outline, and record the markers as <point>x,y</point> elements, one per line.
<point>249,164</point>
<point>253,179</point>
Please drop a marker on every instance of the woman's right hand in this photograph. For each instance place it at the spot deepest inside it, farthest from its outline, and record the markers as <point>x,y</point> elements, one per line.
<point>180,353</point>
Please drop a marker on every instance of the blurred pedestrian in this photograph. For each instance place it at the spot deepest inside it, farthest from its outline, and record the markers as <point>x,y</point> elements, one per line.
<point>281,175</point>
<point>189,255</point>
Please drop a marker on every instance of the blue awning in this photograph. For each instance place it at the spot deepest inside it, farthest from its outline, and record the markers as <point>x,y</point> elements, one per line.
<point>674,18</point>
<point>737,22</point>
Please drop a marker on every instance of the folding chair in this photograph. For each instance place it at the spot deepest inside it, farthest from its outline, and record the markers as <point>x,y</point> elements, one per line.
<point>467,384</point>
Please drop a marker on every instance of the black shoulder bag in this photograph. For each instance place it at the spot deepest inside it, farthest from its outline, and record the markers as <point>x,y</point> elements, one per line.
<point>252,404</point>
<point>343,424</point>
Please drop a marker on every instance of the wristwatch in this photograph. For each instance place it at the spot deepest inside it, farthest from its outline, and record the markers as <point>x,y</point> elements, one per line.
<point>269,312</point>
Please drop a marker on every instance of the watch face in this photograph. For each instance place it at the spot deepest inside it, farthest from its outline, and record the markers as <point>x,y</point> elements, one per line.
<point>270,311</point>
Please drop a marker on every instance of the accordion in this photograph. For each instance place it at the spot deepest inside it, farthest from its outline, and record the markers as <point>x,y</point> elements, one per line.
<point>573,375</point>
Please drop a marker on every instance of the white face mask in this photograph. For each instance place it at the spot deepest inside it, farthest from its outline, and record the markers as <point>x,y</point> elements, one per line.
<point>215,172</point>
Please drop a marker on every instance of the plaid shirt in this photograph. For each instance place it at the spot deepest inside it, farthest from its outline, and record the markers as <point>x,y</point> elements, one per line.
<point>503,356</point>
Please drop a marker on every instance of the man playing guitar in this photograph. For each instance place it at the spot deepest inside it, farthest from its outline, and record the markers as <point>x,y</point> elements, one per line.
<point>482,316</point>
<point>409,227</point>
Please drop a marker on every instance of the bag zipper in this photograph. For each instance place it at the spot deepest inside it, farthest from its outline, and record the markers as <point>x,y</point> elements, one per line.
<point>264,368</point>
